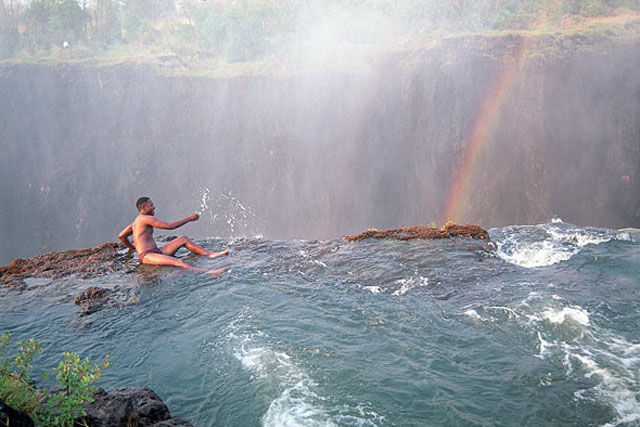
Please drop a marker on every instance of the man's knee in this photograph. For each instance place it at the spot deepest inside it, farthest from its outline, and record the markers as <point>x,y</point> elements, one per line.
<point>185,240</point>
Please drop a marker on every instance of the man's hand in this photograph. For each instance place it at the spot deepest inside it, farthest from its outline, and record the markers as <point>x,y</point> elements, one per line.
<point>124,238</point>
<point>193,217</point>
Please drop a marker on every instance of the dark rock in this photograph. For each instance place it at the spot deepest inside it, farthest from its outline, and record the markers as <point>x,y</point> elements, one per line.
<point>14,418</point>
<point>92,299</point>
<point>130,406</point>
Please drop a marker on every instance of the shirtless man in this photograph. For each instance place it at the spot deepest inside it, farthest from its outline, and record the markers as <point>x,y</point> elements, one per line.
<point>148,252</point>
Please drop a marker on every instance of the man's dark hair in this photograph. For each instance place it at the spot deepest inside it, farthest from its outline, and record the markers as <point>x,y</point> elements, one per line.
<point>141,201</point>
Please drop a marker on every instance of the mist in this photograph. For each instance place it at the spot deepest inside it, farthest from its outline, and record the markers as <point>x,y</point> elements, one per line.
<point>347,123</point>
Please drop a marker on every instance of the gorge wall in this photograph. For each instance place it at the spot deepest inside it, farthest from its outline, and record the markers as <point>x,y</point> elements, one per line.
<point>318,155</point>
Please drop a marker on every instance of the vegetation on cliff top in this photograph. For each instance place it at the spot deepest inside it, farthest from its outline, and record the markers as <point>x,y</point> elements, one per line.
<point>253,36</point>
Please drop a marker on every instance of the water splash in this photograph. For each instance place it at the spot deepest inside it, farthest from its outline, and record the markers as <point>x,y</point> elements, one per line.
<point>223,214</point>
<point>204,198</point>
<point>234,216</point>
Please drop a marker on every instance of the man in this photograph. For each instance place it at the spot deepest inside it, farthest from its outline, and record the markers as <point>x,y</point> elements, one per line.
<point>148,253</point>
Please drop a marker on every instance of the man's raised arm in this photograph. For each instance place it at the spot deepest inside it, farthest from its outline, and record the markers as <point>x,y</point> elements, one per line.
<point>124,237</point>
<point>156,223</point>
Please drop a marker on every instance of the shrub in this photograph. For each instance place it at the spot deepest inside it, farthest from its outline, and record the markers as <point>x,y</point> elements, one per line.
<point>16,388</point>
<point>75,378</point>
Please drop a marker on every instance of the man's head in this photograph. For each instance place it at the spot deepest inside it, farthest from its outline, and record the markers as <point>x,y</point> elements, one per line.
<point>145,206</point>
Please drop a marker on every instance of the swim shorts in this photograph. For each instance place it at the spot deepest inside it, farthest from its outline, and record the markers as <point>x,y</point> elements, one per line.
<point>148,251</point>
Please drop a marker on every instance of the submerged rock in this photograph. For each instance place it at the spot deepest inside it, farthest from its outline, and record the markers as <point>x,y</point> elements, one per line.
<point>84,263</point>
<point>92,299</point>
<point>423,232</point>
<point>14,418</point>
<point>130,406</point>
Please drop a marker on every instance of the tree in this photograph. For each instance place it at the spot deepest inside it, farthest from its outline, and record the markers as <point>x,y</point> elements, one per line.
<point>68,21</point>
<point>36,18</point>
<point>151,10</point>
<point>106,22</point>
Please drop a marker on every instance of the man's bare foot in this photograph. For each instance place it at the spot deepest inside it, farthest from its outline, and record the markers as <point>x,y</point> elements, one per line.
<point>216,272</point>
<point>217,254</point>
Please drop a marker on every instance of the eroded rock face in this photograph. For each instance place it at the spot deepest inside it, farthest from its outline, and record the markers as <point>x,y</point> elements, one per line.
<point>130,406</point>
<point>423,232</point>
<point>84,263</point>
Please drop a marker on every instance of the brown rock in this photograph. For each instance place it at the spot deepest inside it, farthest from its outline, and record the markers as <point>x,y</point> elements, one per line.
<point>82,262</point>
<point>92,299</point>
<point>423,232</point>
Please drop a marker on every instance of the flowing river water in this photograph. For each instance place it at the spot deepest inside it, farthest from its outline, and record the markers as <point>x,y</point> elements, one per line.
<point>542,330</point>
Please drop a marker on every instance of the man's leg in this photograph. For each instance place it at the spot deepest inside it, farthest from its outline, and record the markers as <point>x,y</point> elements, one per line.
<point>153,258</point>
<point>172,247</point>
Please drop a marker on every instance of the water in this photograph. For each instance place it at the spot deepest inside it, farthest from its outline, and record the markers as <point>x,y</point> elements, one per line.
<point>542,331</point>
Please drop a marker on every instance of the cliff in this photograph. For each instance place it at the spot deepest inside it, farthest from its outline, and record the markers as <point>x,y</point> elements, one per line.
<point>318,154</point>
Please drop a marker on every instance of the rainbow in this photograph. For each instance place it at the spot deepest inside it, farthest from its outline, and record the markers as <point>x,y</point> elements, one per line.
<point>479,138</point>
<point>458,197</point>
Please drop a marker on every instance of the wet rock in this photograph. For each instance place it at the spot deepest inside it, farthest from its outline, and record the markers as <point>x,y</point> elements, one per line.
<point>13,418</point>
<point>84,263</point>
<point>92,299</point>
<point>130,406</point>
<point>423,232</point>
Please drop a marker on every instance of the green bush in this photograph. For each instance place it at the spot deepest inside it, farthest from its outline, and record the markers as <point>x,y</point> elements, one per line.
<point>208,29</point>
<point>247,38</point>
<point>16,385</point>
<point>242,31</point>
<point>134,26</point>
<point>75,378</point>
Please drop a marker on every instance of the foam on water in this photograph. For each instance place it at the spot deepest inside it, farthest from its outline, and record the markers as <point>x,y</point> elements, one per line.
<point>547,244</point>
<point>617,378</point>
<point>473,314</point>
<point>536,254</point>
<point>565,332</point>
<point>373,289</point>
<point>405,285</point>
<point>294,407</point>
<point>298,401</point>
<point>575,314</point>
<point>567,337</point>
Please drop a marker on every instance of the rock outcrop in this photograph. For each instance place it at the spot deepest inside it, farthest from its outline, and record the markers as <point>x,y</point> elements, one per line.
<point>124,407</point>
<point>84,263</point>
<point>92,299</point>
<point>423,232</point>
<point>130,406</point>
